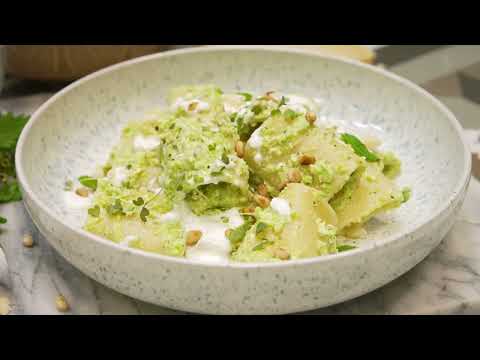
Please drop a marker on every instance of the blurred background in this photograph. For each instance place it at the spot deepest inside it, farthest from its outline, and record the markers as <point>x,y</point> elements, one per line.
<point>450,72</point>
<point>61,64</point>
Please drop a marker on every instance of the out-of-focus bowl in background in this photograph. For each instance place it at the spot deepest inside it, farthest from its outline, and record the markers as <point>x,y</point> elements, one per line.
<point>68,62</point>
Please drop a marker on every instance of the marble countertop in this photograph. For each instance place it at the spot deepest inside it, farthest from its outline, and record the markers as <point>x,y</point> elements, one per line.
<point>446,282</point>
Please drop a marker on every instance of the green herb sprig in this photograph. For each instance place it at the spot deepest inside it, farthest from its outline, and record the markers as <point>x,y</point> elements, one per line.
<point>11,126</point>
<point>95,211</point>
<point>116,208</point>
<point>359,147</point>
<point>290,114</point>
<point>88,182</point>
<point>247,96</point>
<point>262,245</point>
<point>257,109</point>
<point>260,227</point>
<point>237,235</point>
<point>144,212</point>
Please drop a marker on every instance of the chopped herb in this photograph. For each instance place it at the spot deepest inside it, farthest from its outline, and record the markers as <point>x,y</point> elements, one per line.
<point>89,182</point>
<point>225,219</point>
<point>68,185</point>
<point>225,159</point>
<point>244,130</point>
<point>283,101</point>
<point>407,194</point>
<point>262,245</point>
<point>238,234</point>
<point>129,166</point>
<point>247,96</point>
<point>116,208</point>
<point>139,202</point>
<point>359,147</point>
<point>254,180</point>
<point>144,213</point>
<point>261,227</point>
<point>211,147</point>
<point>275,112</point>
<point>342,248</point>
<point>95,211</point>
<point>106,169</point>
<point>290,114</point>
<point>257,109</point>
<point>3,220</point>
<point>217,173</point>
<point>198,179</point>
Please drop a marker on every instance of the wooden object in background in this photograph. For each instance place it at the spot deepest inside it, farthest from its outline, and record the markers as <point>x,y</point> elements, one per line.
<point>69,62</point>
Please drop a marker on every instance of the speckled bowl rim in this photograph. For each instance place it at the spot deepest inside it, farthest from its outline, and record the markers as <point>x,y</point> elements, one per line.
<point>463,181</point>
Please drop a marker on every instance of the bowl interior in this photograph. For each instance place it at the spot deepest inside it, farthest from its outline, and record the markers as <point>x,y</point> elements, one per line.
<point>75,131</point>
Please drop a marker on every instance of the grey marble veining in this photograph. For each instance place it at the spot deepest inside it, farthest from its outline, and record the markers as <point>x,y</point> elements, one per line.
<point>39,274</point>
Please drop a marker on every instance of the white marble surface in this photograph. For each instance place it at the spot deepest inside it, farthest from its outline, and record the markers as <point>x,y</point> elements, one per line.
<point>447,282</point>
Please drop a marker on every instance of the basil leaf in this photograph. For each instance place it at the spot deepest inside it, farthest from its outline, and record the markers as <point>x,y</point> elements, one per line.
<point>11,127</point>
<point>261,227</point>
<point>116,208</point>
<point>95,211</point>
<point>144,213</point>
<point>247,96</point>
<point>3,220</point>
<point>139,202</point>
<point>238,234</point>
<point>257,109</point>
<point>359,147</point>
<point>89,182</point>
<point>10,192</point>
<point>275,112</point>
<point>290,114</point>
<point>262,245</point>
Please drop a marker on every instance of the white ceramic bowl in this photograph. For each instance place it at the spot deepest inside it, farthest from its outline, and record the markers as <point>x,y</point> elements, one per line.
<point>75,130</point>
